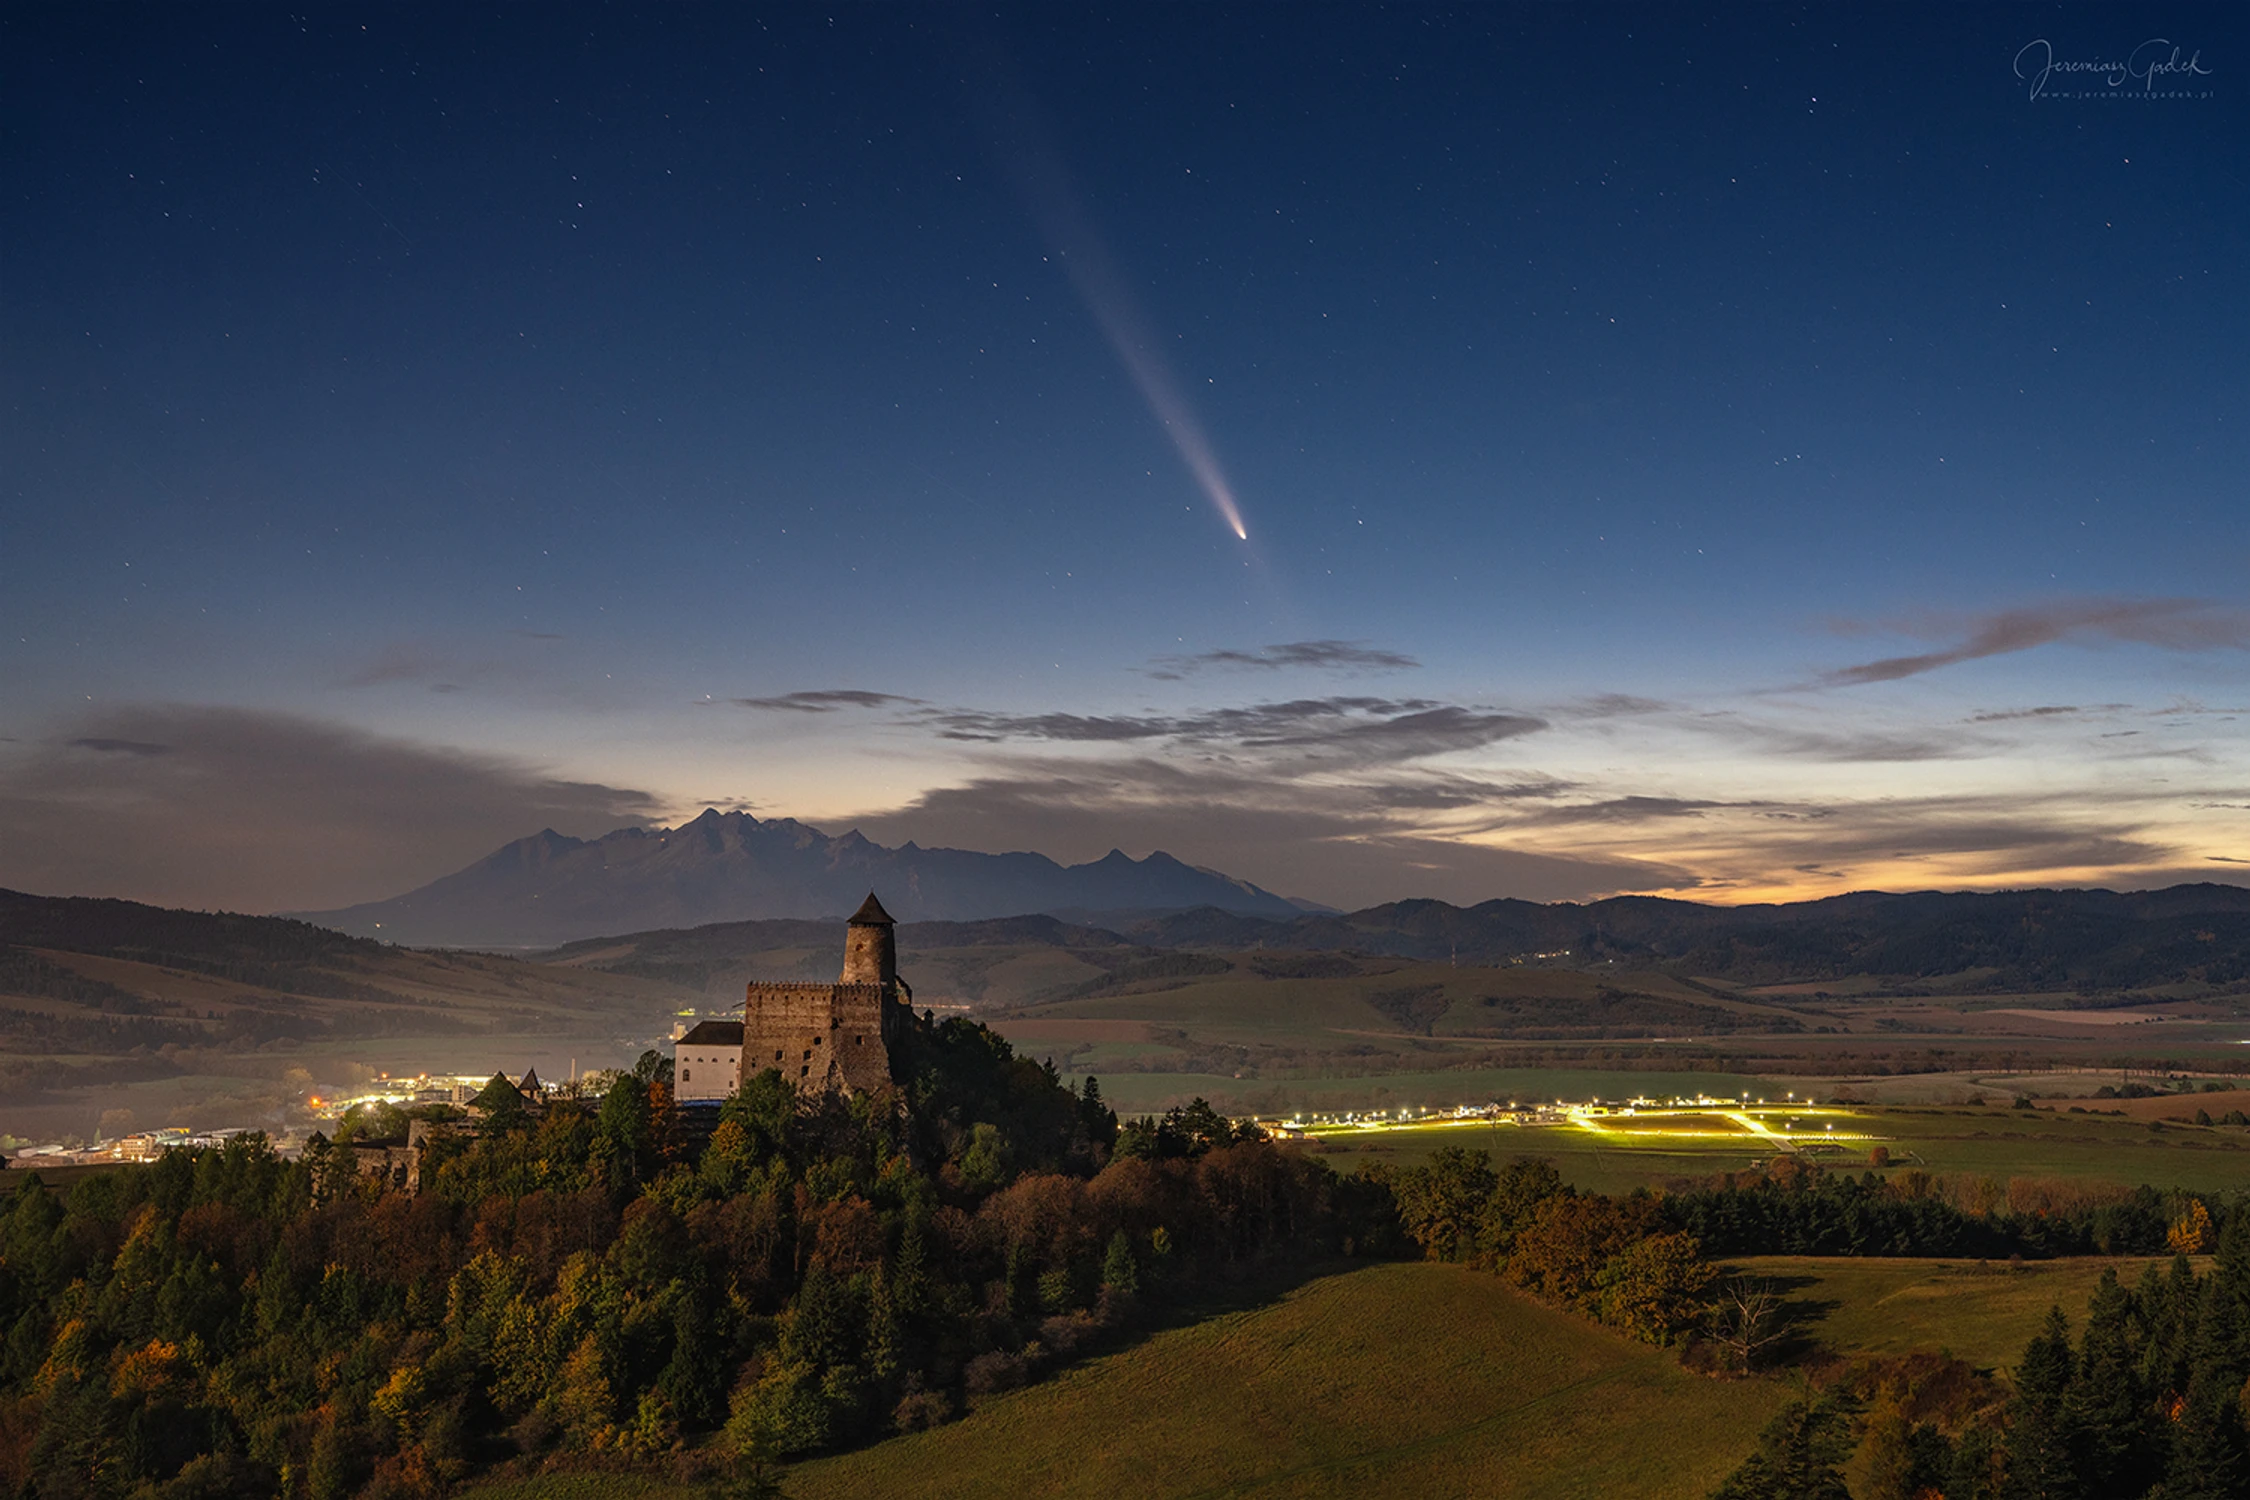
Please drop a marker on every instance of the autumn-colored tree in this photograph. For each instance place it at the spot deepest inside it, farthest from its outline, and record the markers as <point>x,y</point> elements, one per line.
<point>1655,1288</point>
<point>2191,1232</point>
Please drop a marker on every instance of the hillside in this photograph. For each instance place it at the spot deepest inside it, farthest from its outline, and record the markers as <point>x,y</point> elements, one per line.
<point>110,1007</point>
<point>1399,1379</point>
<point>550,889</point>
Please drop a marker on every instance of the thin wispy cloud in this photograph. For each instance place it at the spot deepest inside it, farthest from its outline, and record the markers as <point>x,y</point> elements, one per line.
<point>1355,727</point>
<point>2003,716</point>
<point>2173,624</point>
<point>105,746</point>
<point>1329,656</point>
<point>824,701</point>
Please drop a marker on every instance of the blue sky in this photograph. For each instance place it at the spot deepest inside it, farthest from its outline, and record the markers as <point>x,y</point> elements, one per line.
<point>1755,452</point>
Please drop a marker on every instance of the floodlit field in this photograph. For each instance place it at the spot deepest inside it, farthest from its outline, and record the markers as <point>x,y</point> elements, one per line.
<point>1418,1084</point>
<point>1616,1154</point>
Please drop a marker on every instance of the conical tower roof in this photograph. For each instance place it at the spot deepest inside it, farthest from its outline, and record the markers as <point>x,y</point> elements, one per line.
<point>871,914</point>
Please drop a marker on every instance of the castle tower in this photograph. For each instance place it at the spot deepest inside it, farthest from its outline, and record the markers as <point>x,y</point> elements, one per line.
<point>870,946</point>
<point>816,1036</point>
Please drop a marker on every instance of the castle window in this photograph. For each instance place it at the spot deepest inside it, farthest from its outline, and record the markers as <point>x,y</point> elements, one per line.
<point>803,1072</point>
<point>777,1054</point>
<point>816,1041</point>
<point>857,1040</point>
<point>808,1054</point>
<point>685,1075</point>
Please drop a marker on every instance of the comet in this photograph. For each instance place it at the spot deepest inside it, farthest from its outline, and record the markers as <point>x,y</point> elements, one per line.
<point>1046,183</point>
<point>1128,334</point>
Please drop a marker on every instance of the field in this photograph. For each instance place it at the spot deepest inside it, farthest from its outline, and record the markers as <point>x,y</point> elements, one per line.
<point>1417,1379</point>
<point>1618,1154</point>
<point>1974,1311</point>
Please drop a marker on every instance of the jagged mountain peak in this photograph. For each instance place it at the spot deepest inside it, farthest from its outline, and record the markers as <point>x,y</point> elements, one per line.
<point>730,867</point>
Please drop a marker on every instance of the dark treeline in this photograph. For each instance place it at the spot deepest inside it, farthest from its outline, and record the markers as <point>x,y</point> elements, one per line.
<point>1793,1211</point>
<point>1459,1208</point>
<point>613,1283</point>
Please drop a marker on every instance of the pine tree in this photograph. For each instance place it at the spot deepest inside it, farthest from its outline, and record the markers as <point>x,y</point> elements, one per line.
<point>1121,1274</point>
<point>1975,1474</point>
<point>2108,1406</point>
<point>2040,1432</point>
<point>1800,1456</point>
<point>2209,1459</point>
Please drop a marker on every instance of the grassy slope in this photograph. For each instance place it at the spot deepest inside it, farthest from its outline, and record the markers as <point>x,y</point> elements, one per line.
<point>1977,1312</point>
<point>1408,1378</point>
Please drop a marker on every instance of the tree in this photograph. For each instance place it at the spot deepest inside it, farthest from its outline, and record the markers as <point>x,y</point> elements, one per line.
<point>2108,1405</point>
<point>1655,1287</point>
<point>1440,1204</point>
<point>1523,1184</point>
<point>1746,1319</point>
<point>624,1117</point>
<point>1096,1115</point>
<point>2042,1430</point>
<point>1904,1460</point>
<point>500,1104</point>
<point>2191,1232</point>
<point>1800,1456</point>
<point>1121,1274</point>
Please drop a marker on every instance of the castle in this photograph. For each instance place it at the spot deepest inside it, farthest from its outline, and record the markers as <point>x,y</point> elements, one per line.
<point>820,1036</point>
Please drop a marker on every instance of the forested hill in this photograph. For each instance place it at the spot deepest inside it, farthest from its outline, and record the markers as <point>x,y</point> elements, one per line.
<point>2007,940</point>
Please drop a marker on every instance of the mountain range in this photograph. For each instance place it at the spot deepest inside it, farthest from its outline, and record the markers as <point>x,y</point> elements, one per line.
<point>550,888</point>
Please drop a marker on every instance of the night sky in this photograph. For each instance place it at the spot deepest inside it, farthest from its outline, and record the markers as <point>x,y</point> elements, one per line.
<point>1757,454</point>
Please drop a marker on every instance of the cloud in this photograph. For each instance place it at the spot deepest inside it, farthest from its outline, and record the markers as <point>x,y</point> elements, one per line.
<point>1616,706</point>
<point>226,807</point>
<point>1844,744</point>
<point>1628,809</point>
<point>2175,624</point>
<point>2003,716</point>
<point>1331,656</point>
<point>1342,843</point>
<point>121,747</point>
<point>400,661</point>
<point>1348,728</point>
<point>823,701</point>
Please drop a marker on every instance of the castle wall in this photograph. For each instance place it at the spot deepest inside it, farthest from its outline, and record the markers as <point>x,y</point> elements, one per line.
<point>822,1035</point>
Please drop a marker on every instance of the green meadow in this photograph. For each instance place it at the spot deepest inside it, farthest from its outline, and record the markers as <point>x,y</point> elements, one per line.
<point>1977,1311</point>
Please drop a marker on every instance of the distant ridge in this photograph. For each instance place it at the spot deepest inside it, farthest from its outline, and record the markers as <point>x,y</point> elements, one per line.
<point>2094,942</point>
<point>551,889</point>
<point>2097,940</point>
